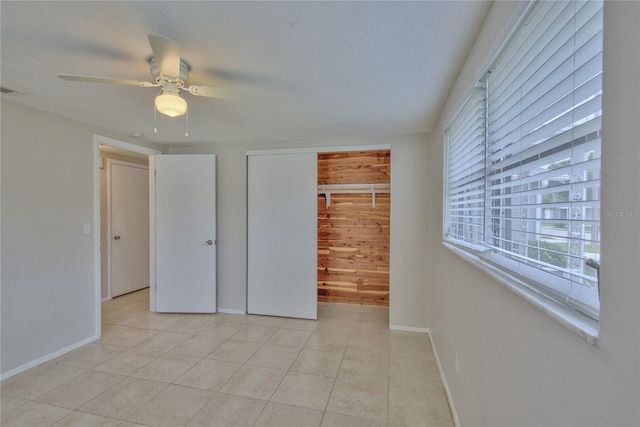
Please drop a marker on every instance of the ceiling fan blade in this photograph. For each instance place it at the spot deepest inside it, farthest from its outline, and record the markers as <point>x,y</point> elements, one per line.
<point>167,55</point>
<point>220,93</point>
<point>93,79</point>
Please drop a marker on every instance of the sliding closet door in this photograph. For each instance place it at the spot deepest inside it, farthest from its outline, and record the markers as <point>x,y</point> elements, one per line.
<point>282,235</point>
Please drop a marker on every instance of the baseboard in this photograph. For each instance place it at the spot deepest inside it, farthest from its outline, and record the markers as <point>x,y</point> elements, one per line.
<point>409,329</point>
<point>447,391</point>
<point>105,299</point>
<point>46,358</point>
<point>231,311</point>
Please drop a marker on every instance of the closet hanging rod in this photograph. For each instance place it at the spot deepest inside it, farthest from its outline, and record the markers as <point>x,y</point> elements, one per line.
<point>354,188</point>
<point>373,189</point>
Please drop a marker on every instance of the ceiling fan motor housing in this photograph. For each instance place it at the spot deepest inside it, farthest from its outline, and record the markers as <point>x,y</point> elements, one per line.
<point>184,69</point>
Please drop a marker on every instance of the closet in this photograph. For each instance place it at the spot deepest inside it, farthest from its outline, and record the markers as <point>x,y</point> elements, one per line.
<point>317,230</point>
<point>353,226</point>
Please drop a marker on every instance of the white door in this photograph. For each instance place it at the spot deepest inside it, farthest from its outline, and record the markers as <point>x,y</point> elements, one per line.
<point>282,235</point>
<point>129,227</point>
<point>185,233</point>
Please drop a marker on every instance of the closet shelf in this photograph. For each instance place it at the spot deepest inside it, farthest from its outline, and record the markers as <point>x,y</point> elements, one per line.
<point>373,189</point>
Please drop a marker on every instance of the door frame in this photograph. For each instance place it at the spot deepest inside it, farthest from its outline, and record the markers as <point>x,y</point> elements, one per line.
<point>99,140</point>
<point>109,189</point>
<point>317,150</point>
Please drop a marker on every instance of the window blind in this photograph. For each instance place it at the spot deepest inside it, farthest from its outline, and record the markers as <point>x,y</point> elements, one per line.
<point>465,172</point>
<point>544,112</point>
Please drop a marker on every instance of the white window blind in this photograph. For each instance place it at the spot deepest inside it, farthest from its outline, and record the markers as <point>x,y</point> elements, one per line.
<point>542,161</point>
<point>465,172</point>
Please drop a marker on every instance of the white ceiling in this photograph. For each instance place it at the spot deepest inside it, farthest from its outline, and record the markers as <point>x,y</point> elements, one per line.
<point>320,69</point>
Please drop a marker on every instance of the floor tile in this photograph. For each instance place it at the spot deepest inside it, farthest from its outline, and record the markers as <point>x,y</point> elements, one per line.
<point>114,317</point>
<point>166,368</point>
<point>334,326</point>
<point>339,420</point>
<point>432,410</point>
<point>300,324</point>
<point>364,367</point>
<point>360,397</point>
<point>243,319</point>
<point>209,374</point>
<point>39,380</point>
<point>198,346</point>
<point>83,419</point>
<point>274,322</point>
<point>121,400</point>
<point>80,389</point>
<point>225,410</point>
<point>220,329</point>
<point>162,321</point>
<point>310,391</point>
<point>279,415</point>
<point>328,341</point>
<point>190,325</point>
<point>10,403</point>
<point>274,356</point>
<point>142,320</point>
<point>34,414</point>
<point>172,407</point>
<point>128,362</point>
<point>163,341</point>
<point>234,351</point>
<point>290,338</point>
<point>255,382</point>
<point>380,351</point>
<point>90,356</point>
<point>420,381</point>
<point>111,330</point>
<point>235,370</point>
<point>254,333</point>
<point>130,337</point>
<point>317,363</point>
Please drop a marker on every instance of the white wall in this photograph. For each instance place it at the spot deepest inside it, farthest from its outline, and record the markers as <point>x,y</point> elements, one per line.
<point>408,228</point>
<point>518,366</point>
<point>47,288</point>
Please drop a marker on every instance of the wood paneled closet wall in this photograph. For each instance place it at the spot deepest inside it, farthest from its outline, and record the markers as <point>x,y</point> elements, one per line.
<point>353,234</point>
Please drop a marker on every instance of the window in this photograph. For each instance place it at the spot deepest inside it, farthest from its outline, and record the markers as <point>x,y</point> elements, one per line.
<point>466,172</point>
<point>523,182</point>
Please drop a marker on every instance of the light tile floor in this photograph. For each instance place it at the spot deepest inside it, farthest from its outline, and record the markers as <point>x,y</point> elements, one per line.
<point>345,369</point>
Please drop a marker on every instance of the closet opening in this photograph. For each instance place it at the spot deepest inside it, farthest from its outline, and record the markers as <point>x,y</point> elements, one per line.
<point>354,206</point>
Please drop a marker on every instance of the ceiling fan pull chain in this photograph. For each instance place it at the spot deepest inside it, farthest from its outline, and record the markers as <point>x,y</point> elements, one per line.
<point>186,120</point>
<point>155,120</point>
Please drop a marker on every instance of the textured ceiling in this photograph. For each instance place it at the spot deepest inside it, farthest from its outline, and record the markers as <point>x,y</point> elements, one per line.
<point>320,69</point>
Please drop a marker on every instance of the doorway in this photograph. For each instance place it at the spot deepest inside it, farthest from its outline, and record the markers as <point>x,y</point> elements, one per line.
<point>354,207</point>
<point>124,220</point>
<point>102,143</point>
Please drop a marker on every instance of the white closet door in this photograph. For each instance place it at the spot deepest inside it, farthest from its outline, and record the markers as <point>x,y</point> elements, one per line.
<point>282,235</point>
<point>185,233</point>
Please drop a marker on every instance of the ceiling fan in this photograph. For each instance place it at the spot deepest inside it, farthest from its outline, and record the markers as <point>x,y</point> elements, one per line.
<point>170,72</point>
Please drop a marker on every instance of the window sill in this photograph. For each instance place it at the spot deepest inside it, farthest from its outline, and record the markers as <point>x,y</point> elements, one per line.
<point>581,325</point>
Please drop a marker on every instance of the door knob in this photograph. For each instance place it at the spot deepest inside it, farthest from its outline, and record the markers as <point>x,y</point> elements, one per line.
<point>116,237</point>
<point>209,242</point>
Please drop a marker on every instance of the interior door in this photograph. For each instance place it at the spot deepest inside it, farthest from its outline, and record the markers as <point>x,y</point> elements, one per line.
<point>282,235</point>
<point>129,227</point>
<point>185,233</point>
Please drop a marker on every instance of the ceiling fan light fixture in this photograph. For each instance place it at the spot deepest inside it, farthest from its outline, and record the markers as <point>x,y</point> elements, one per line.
<point>171,104</point>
